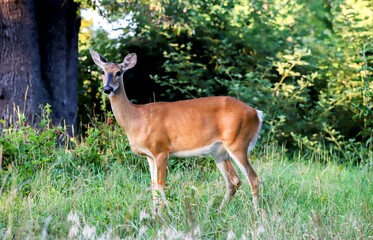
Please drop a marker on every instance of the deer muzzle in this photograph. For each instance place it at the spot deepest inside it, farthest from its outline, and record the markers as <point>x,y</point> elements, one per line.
<point>107,89</point>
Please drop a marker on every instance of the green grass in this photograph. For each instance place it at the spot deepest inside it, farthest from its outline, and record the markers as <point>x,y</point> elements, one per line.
<point>299,199</point>
<point>94,190</point>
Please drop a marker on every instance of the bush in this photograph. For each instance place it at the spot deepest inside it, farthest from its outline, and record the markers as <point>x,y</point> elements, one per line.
<point>307,65</point>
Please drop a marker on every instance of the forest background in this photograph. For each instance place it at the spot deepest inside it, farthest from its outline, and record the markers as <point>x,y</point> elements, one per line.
<point>308,65</point>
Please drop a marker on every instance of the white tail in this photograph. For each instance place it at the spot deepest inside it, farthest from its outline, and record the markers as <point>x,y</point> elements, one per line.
<point>223,127</point>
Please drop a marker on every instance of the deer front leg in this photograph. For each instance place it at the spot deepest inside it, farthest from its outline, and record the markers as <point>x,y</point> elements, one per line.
<point>158,172</point>
<point>151,162</point>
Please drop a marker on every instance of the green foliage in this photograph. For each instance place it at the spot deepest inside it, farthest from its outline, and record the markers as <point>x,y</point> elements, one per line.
<point>363,101</point>
<point>56,186</point>
<point>307,65</point>
<point>27,149</point>
<point>104,143</point>
<point>22,145</point>
<point>84,193</point>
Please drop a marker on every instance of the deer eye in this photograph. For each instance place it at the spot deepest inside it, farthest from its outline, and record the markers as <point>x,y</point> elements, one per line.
<point>117,74</point>
<point>102,71</point>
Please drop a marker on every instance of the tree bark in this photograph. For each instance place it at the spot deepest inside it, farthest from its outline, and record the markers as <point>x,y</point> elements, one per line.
<point>20,79</point>
<point>39,58</point>
<point>58,36</point>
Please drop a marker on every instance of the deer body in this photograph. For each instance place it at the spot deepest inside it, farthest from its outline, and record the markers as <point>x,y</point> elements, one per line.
<point>223,127</point>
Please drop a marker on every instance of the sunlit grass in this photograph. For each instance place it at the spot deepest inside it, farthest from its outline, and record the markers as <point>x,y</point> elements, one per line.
<point>300,198</point>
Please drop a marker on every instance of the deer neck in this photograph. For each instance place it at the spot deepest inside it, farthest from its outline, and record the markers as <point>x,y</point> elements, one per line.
<point>124,111</point>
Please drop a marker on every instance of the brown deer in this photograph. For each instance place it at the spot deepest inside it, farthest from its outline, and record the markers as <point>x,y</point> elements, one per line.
<point>223,127</point>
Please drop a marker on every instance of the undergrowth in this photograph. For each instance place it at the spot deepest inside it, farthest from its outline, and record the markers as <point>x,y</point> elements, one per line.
<point>54,186</point>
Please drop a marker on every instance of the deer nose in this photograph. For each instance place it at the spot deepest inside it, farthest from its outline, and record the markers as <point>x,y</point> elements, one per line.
<point>107,89</point>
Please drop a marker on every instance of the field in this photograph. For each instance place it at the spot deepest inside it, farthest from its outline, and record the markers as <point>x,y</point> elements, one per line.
<point>97,191</point>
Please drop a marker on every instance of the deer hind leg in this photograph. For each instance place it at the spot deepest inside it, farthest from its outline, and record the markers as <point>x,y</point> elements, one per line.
<point>232,180</point>
<point>230,175</point>
<point>241,159</point>
<point>158,172</point>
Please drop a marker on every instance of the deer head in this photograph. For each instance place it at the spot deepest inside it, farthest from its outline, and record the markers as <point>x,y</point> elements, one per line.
<point>112,74</point>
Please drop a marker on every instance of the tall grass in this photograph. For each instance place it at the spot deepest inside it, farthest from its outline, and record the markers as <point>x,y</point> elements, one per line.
<point>95,188</point>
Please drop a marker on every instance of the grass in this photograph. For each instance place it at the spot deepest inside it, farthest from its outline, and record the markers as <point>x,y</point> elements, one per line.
<point>97,189</point>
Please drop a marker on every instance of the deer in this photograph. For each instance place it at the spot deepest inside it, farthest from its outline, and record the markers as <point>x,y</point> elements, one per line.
<point>220,126</point>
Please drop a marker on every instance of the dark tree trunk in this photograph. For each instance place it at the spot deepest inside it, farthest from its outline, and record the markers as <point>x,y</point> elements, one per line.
<point>39,58</point>
<point>20,79</point>
<point>58,36</point>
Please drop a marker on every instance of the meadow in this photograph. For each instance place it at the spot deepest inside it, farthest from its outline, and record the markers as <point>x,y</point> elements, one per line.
<point>56,187</point>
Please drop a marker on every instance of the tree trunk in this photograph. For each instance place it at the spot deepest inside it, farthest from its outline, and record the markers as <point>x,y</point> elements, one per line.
<point>39,58</point>
<point>20,79</point>
<point>58,36</point>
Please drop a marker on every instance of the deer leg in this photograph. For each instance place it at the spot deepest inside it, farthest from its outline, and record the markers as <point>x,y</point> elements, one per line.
<point>233,177</point>
<point>232,180</point>
<point>159,181</point>
<point>242,161</point>
<point>151,162</point>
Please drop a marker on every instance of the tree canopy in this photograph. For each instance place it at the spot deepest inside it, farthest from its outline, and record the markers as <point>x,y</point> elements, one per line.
<point>306,64</point>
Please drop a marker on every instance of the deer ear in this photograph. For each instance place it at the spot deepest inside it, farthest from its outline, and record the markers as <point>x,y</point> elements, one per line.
<point>97,58</point>
<point>129,61</point>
